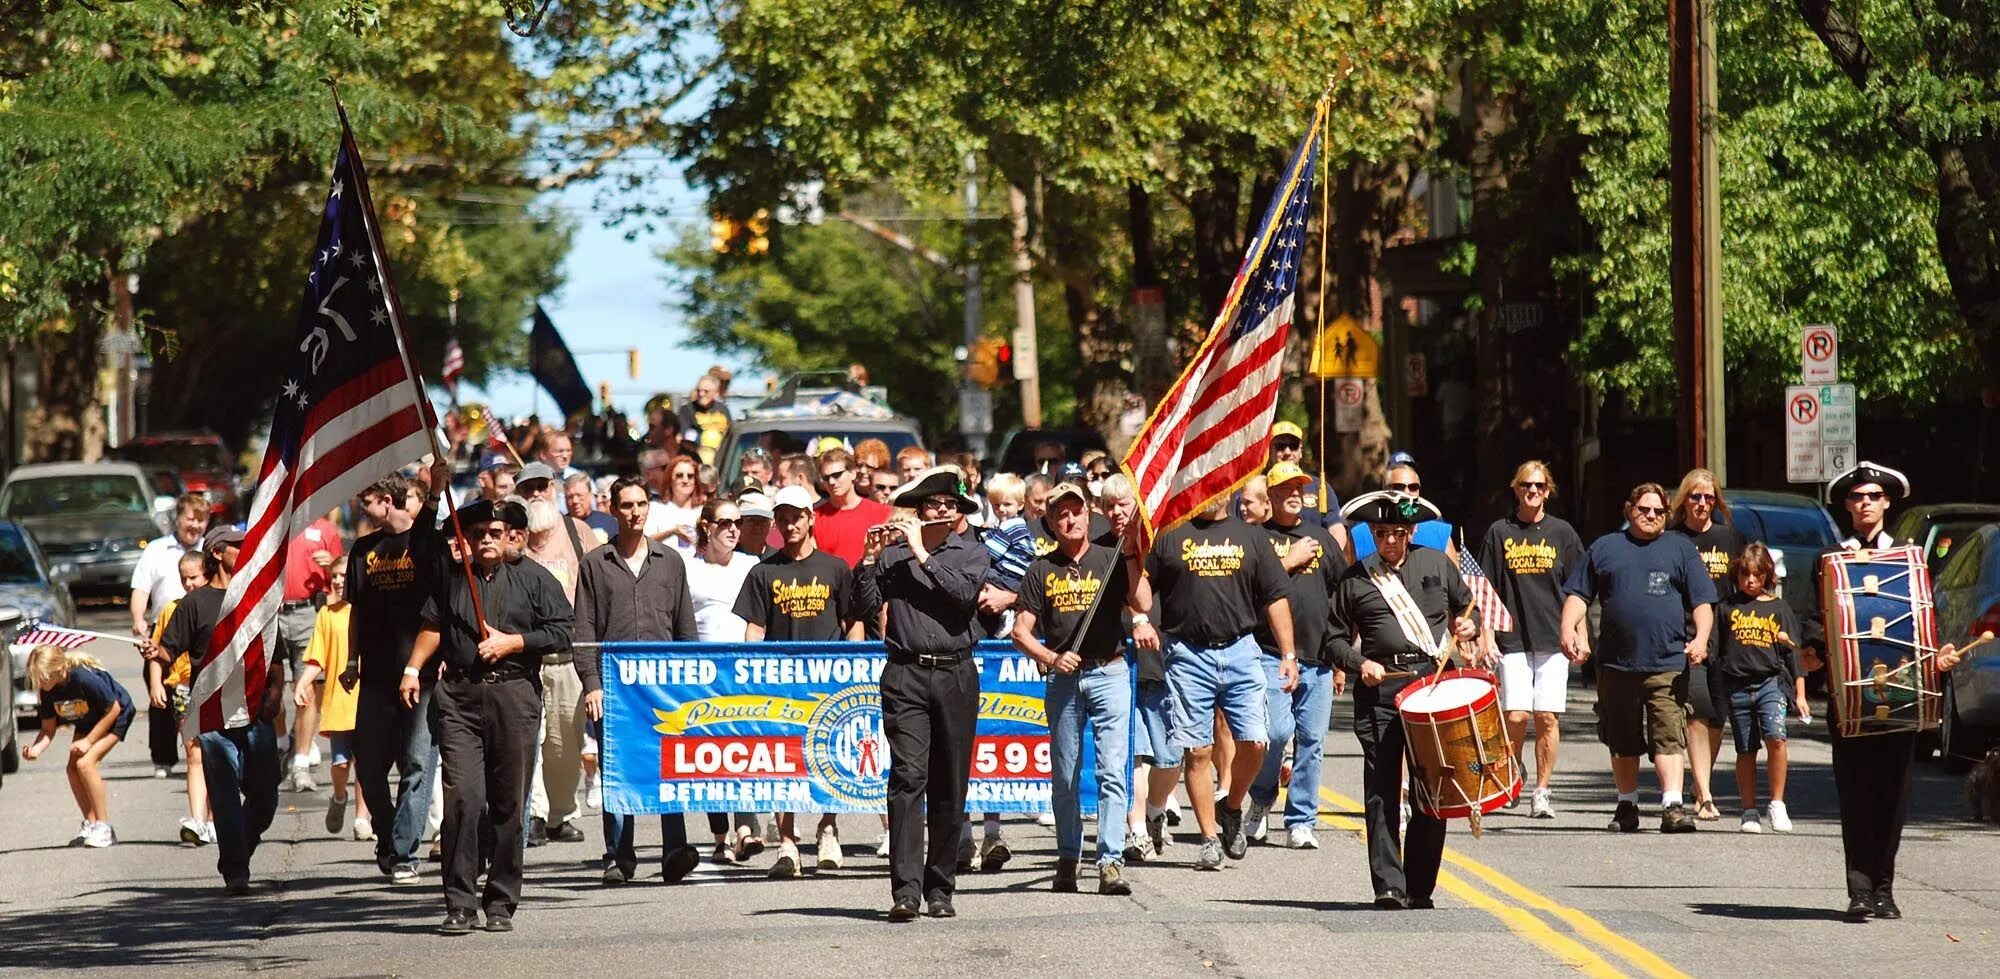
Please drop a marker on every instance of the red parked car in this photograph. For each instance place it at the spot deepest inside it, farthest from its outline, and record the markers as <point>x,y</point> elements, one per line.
<point>205,464</point>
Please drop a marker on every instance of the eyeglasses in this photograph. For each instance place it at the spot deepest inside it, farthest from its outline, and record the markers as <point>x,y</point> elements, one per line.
<point>1874,497</point>
<point>887,487</point>
<point>494,533</point>
<point>1650,511</point>
<point>725,522</point>
<point>1404,487</point>
<point>937,504</point>
<point>833,474</point>
<point>1392,531</point>
<point>1701,497</point>
<point>684,475</point>
<point>1532,486</point>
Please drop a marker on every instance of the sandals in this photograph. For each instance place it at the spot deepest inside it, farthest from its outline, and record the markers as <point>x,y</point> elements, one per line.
<point>1706,812</point>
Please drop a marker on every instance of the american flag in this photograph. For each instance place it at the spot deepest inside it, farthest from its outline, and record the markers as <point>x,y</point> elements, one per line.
<point>348,410</point>
<point>454,365</point>
<point>1207,436</point>
<point>1493,614</point>
<point>39,634</point>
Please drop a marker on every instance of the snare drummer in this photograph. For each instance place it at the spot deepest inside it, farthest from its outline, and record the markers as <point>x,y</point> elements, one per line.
<point>1434,601</point>
<point>1871,774</point>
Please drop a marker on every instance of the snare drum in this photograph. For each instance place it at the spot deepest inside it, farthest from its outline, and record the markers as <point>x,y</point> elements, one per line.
<point>1881,639</point>
<point>1458,749</point>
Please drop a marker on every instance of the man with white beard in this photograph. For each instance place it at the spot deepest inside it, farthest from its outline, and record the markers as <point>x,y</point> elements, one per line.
<point>557,542</point>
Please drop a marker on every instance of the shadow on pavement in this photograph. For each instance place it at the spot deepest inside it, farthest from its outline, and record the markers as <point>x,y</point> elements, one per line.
<point>857,914</point>
<point>1766,912</point>
<point>1297,905</point>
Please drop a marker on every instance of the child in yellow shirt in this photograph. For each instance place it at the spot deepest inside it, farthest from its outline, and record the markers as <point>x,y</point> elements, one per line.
<point>326,656</point>
<point>171,683</point>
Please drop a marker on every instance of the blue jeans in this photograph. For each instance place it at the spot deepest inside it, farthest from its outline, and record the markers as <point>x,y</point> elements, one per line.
<point>1103,698</point>
<point>1302,716</point>
<point>1757,712</point>
<point>619,846</point>
<point>1204,679</point>
<point>1149,735</point>
<point>387,733</point>
<point>240,766</point>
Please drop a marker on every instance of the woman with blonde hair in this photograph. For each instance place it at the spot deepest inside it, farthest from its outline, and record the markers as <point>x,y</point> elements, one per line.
<point>77,691</point>
<point>1698,510</point>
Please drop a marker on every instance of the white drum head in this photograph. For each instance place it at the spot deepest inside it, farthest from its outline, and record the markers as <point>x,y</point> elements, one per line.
<point>1448,694</point>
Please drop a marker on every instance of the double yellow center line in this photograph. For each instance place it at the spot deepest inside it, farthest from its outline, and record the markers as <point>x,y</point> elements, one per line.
<point>1520,916</point>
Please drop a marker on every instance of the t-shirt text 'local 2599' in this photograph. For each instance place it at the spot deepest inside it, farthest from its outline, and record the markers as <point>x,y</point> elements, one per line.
<point>1212,579</point>
<point>807,600</point>
<point>1527,563</point>
<point>1718,546</point>
<point>1060,591</point>
<point>1753,635</point>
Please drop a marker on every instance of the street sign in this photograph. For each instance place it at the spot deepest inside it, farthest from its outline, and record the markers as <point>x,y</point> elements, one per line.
<point>1348,395</point>
<point>1344,349</point>
<point>1819,354</point>
<point>1803,456</point>
<point>1027,359</point>
<point>975,410</point>
<point>1416,376</point>
<point>1836,416</point>
<point>1838,458</point>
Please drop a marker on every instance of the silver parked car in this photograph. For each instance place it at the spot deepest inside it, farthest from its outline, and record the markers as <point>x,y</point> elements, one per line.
<point>10,732</point>
<point>1967,591</point>
<point>91,519</point>
<point>29,592</point>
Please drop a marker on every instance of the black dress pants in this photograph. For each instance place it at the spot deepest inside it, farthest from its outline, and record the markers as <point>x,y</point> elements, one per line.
<point>486,740</point>
<point>163,734</point>
<point>1394,862</point>
<point>928,713</point>
<point>1871,775</point>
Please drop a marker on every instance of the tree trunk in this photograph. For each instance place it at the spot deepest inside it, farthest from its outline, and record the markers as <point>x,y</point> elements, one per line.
<point>1100,336</point>
<point>66,422</point>
<point>1152,360</point>
<point>1217,242</point>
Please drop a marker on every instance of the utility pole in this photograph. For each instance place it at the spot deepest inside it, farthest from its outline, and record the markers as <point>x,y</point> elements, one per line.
<point>1027,357</point>
<point>973,422</point>
<point>1697,254</point>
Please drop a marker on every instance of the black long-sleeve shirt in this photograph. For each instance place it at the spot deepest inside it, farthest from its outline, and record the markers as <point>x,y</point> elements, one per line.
<point>519,597</point>
<point>1362,612</point>
<point>615,605</point>
<point>933,606</point>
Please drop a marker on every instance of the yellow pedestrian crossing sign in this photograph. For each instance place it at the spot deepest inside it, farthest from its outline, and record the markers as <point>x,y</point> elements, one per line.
<point>1344,349</point>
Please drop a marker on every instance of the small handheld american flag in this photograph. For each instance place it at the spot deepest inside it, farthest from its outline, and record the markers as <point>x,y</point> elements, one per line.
<point>40,634</point>
<point>1493,614</point>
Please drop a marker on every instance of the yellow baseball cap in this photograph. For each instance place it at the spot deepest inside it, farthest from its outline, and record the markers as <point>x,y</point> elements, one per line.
<point>1284,472</point>
<point>1288,428</point>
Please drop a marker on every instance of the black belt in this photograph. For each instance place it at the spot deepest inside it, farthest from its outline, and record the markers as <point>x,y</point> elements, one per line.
<point>1405,659</point>
<point>301,603</point>
<point>932,660</point>
<point>557,659</point>
<point>491,676</point>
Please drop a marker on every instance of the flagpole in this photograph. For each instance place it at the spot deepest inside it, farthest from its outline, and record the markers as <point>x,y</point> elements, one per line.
<point>394,303</point>
<point>1319,331</point>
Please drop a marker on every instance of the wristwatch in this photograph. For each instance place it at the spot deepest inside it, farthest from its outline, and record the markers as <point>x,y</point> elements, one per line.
<point>1142,618</point>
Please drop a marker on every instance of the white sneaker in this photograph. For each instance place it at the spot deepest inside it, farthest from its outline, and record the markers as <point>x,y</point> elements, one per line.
<point>364,828</point>
<point>882,845</point>
<point>208,834</point>
<point>787,864</point>
<point>190,831</point>
<point>1405,824</point>
<point>1254,821</point>
<point>1540,808</point>
<point>829,849</point>
<point>1301,837</point>
<point>336,814</point>
<point>1781,821</point>
<point>82,836</point>
<point>313,757</point>
<point>593,797</point>
<point>1046,819</point>
<point>160,771</point>
<point>1750,823</point>
<point>100,836</point>
<point>302,778</point>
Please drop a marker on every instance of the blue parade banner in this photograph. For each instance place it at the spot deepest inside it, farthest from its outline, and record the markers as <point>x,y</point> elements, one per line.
<point>797,726</point>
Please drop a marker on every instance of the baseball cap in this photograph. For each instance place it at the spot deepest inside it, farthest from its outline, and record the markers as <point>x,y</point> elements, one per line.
<point>221,535</point>
<point>1069,487</point>
<point>1401,458</point>
<point>1283,429</point>
<point>533,471</point>
<point>791,496</point>
<point>1284,472</point>
<point>755,505</point>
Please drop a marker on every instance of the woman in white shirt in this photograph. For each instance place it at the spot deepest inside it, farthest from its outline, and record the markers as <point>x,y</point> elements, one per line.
<point>715,574</point>
<point>673,516</point>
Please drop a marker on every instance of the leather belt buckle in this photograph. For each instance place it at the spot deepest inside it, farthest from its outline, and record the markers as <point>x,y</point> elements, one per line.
<point>935,661</point>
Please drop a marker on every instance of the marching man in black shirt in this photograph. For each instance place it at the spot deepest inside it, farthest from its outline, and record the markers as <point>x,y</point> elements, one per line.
<point>928,579</point>
<point>488,704</point>
<point>1400,604</point>
<point>1064,595</point>
<point>1213,576</point>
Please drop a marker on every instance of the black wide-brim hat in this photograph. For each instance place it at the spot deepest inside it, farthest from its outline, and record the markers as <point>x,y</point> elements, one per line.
<point>937,481</point>
<point>482,512</point>
<point>1391,507</point>
<point>1864,472</point>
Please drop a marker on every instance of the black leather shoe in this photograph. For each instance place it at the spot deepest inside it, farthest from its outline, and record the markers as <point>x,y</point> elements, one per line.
<point>566,833</point>
<point>499,922</point>
<point>1392,900</point>
<point>1885,906</point>
<point>538,832</point>
<point>1422,904</point>
<point>679,863</point>
<point>903,911</point>
<point>1860,907</point>
<point>456,922</point>
<point>941,908</point>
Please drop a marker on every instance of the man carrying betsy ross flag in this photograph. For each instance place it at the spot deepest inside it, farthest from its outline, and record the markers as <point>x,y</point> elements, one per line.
<point>349,408</point>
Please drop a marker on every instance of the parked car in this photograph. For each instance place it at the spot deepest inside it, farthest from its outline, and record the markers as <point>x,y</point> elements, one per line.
<point>91,520</point>
<point>202,460</point>
<point>799,416</point>
<point>28,587</point>
<point>1796,529</point>
<point>1030,450</point>
<point>1938,527</point>
<point>11,674</point>
<point>1967,593</point>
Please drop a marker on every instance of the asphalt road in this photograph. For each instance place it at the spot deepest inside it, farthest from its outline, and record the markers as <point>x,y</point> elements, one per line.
<point>1529,898</point>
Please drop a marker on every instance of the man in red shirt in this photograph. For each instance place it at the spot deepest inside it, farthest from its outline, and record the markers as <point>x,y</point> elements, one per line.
<point>307,560</point>
<point>844,514</point>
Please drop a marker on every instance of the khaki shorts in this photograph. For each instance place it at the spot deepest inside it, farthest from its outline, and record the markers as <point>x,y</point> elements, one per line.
<point>1641,713</point>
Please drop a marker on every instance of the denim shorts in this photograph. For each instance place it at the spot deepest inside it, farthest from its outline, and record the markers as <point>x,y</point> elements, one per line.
<point>1757,712</point>
<point>1149,734</point>
<point>341,743</point>
<point>1206,679</point>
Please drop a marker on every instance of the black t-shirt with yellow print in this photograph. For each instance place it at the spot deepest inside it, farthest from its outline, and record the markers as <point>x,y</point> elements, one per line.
<point>1527,563</point>
<point>1212,579</point>
<point>807,600</point>
<point>1718,546</point>
<point>1750,646</point>
<point>1059,591</point>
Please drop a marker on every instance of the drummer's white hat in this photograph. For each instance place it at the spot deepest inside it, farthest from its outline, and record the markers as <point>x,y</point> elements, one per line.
<point>1892,482</point>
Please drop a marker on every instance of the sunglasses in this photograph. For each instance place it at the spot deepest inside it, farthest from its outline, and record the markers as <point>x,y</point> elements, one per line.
<point>937,504</point>
<point>725,522</point>
<point>494,533</point>
<point>684,475</point>
<point>1532,485</point>
<point>833,474</point>
<point>1650,511</point>
<point>1404,487</point>
<point>1875,497</point>
<point>1701,497</point>
<point>887,487</point>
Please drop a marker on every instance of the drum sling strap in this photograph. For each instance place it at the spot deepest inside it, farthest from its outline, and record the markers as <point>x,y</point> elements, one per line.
<point>1408,615</point>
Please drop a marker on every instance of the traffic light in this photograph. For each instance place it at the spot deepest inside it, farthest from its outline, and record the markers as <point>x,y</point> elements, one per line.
<point>1003,352</point>
<point>632,363</point>
<point>721,234</point>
